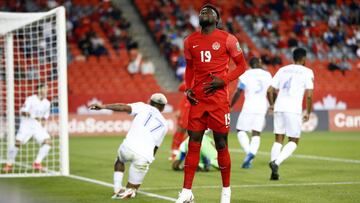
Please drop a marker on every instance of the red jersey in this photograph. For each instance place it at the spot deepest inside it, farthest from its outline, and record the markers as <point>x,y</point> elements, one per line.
<point>210,54</point>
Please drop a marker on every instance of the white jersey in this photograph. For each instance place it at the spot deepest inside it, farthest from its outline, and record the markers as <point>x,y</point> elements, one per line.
<point>291,81</point>
<point>255,83</point>
<point>36,108</point>
<point>147,130</point>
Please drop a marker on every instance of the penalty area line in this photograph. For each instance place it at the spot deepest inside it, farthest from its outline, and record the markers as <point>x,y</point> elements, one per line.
<point>99,182</point>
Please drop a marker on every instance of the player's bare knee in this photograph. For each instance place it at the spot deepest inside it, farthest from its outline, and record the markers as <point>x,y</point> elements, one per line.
<point>294,139</point>
<point>279,138</point>
<point>119,166</point>
<point>17,143</point>
<point>255,133</point>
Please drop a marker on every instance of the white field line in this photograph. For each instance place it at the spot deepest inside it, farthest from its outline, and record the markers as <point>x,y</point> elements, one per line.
<point>259,185</point>
<point>312,157</point>
<point>90,180</point>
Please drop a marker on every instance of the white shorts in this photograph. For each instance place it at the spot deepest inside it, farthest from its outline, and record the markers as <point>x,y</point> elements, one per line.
<point>288,124</point>
<point>139,165</point>
<point>29,128</point>
<point>251,121</point>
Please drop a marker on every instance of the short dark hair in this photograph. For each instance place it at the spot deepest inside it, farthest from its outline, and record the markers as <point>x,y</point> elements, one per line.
<point>254,62</point>
<point>157,105</point>
<point>213,8</point>
<point>299,53</point>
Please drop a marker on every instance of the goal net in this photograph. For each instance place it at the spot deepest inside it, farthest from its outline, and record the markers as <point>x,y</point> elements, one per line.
<point>33,58</point>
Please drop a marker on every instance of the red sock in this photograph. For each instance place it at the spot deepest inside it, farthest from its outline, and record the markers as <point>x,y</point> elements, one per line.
<point>191,163</point>
<point>177,140</point>
<point>225,165</point>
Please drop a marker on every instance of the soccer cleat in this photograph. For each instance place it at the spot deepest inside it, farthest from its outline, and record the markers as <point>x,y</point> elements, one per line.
<point>125,194</point>
<point>7,168</point>
<point>185,198</point>
<point>247,161</point>
<point>37,166</point>
<point>118,192</point>
<point>225,195</point>
<point>274,171</point>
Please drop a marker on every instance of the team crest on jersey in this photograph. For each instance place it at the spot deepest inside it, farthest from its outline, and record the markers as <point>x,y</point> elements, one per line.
<point>238,46</point>
<point>216,45</point>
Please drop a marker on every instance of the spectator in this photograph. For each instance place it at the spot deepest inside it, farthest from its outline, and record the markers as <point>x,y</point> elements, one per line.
<point>194,18</point>
<point>181,65</point>
<point>342,66</point>
<point>97,46</point>
<point>147,66</point>
<point>135,62</point>
<point>292,41</point>
<point>333,65</point>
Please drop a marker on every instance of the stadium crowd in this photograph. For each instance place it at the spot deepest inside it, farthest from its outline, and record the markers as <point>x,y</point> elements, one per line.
<point>79,23</point>
<point>328,29</point>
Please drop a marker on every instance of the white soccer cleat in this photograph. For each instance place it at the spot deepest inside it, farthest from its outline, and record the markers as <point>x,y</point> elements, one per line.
<point>225,195</point>
<point>125,194</point>
<point>185,197</point>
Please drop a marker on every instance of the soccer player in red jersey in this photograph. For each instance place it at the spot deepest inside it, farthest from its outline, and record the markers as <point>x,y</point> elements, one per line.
<point>182,122</point>
<point>207,76</point>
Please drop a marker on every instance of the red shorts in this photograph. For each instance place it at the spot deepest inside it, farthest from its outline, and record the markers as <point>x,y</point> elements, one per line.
<point>214,116</point>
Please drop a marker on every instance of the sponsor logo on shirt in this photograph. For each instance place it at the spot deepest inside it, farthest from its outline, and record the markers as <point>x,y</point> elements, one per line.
<point>216,46</point>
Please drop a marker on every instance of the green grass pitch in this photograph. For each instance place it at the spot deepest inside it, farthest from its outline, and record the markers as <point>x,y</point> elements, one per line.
<point>310,178</point>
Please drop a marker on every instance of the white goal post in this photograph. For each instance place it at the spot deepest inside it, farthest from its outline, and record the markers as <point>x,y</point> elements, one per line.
<point>33,52</point>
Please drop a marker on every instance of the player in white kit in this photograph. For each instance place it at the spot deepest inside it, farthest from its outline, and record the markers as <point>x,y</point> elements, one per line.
<point>34,112</point>
<point>287,90</point>
<point>254,82</point>
<point>146,134</point>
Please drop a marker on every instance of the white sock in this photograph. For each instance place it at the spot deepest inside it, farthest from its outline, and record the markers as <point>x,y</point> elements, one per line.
<point>43,152</point>
<point>12,155</point>
<point>186,191</point>
<point>275,150</point>
<point>288,149</point>
<point>226,189</point>
<point>118,176</point>
<point>254,144</point>
<point>225,195</point>
<point>244,141</point>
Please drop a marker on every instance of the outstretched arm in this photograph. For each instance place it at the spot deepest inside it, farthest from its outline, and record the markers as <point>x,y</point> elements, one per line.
<point>115,107</point>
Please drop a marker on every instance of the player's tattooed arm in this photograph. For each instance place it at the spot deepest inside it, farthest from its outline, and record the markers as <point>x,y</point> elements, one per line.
<point>309,95</point>
<point>114,107</point>
<point>271,96</point>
